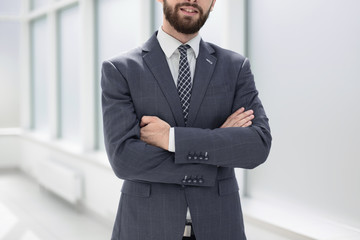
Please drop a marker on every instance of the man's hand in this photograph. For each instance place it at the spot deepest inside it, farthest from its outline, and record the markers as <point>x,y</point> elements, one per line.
<point>155,131</point>
<point>240,118</point>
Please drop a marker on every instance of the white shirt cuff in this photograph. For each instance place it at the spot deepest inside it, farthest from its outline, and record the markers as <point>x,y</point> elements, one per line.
<point>171,140</point>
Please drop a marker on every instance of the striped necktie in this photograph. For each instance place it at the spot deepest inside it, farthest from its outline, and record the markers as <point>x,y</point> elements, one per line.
<point>184,81</point>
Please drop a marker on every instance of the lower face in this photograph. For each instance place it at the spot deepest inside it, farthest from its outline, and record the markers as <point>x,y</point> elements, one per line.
<point>185,17</point>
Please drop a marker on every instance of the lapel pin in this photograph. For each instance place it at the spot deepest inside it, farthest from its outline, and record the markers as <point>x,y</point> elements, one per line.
<point>209,61</point>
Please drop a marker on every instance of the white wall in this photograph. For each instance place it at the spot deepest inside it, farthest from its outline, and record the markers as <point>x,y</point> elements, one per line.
<point>226,25</point>
<point>306,59</point>
<point>101,189</point>
<point>9,151</point>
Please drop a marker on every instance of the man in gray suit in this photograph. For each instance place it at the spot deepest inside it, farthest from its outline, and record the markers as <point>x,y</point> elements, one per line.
<point>179,115</point>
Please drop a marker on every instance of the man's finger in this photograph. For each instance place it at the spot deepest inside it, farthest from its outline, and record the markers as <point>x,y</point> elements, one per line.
<point>233,117</point>
<point>249,112</point>
<point>237,112</point>
<point>142,134</point>
<point>238,118</point>
<point>248,124</point>
<point>241,117</point>
<point>243,121</point>
<point>145,120</point>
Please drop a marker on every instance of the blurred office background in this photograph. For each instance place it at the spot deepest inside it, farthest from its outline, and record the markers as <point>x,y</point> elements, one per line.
<point>55,180</point>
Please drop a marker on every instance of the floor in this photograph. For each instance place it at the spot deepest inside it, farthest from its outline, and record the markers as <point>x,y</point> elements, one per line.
<point>28,212</point>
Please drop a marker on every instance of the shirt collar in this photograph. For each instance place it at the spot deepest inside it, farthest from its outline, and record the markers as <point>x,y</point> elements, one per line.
<point>170,44</point>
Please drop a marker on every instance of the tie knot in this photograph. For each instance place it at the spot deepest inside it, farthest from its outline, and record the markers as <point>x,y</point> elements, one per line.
<point>183,48</point>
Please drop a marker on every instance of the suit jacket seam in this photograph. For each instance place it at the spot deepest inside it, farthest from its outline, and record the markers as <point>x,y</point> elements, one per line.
<point>112,64</point>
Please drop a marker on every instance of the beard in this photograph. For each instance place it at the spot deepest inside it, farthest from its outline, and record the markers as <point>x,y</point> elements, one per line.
<point>185,25</point>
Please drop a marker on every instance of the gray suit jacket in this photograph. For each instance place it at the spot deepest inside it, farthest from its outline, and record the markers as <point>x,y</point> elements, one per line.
<point>159,185</point>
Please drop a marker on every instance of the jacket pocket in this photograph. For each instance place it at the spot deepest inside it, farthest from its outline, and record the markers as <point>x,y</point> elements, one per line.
<point>137,189</point>
<point>228,186</point>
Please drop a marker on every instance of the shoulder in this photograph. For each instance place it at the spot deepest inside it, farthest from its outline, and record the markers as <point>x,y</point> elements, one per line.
<point>125,63</point>
<point>133,56</point>
<point>226,57</point>
<point>220,53</point>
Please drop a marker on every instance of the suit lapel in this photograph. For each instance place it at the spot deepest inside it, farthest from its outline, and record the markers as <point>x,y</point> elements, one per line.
<point>205,66</point>
<point>156,61</point>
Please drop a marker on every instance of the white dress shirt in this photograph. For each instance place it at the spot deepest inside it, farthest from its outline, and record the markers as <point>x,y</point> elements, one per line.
<point>170,45</point>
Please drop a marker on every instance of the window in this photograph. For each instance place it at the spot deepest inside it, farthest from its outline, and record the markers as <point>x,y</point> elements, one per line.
<point>9,72</point>
<point>69,64</point>
<point>35,4</point>
<point>10,7</point>
<point>39,75</point>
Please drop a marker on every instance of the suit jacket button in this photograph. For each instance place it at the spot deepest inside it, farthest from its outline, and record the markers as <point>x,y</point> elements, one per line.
<point>185,179</point>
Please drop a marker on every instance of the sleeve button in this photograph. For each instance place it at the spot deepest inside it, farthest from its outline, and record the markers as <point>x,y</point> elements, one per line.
<point>206,156</point>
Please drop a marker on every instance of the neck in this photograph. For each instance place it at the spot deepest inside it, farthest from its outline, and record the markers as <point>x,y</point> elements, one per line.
<point>184,38</point>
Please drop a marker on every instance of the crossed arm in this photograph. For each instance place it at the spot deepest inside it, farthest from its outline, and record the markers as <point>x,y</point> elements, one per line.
<point>155,131</point>
<point>136,151</point>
